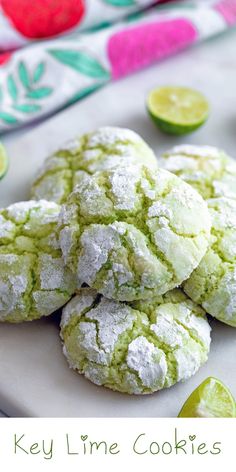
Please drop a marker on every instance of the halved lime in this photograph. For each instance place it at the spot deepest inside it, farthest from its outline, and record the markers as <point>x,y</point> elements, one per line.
<point>3,161</point>
<point>177,110</point>
<point>212,399</point>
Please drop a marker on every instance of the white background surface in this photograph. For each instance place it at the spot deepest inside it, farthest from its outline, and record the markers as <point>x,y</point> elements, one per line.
<point>34,377</point>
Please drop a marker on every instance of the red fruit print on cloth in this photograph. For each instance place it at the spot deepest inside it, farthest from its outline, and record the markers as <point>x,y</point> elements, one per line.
<point>43,18</point>
<point>4,58</point>
<point>227,8</point>
<point>137,47</point>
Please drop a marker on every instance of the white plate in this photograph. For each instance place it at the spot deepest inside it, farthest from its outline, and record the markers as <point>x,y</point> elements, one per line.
<point>34,377</point>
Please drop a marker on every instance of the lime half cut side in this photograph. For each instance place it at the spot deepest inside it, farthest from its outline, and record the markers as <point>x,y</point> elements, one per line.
<point>212,399</point>
<point>177,110</point>
<point>3,161</point>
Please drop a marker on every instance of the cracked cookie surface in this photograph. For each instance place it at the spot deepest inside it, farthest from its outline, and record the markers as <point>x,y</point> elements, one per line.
<point>213,282</point>
<point>131,232</point>
<point>208,169</point>
<point>34,281</point>
<point>135,348</point>
<point>103,149</point>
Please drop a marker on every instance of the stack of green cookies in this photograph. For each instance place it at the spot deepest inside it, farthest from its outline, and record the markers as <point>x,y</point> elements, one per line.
<point>109,225</point>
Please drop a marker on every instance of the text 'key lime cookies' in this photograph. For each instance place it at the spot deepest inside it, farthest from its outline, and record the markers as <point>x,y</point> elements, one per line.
<point>102,149</point>
<point>135,348</point>
<point>131,232</point>
<point>34,281</point>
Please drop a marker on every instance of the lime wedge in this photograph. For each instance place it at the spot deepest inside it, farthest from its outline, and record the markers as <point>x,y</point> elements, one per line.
<point>177,110</point>
<point>3,161</point>
<point>212,399</point>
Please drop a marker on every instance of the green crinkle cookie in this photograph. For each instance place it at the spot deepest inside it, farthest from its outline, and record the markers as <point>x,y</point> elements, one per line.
<point>34,281</point>
<point>132,232</point>
<point>213,173</point>
<point>208,169</point>
<point>135,348</point>
<point>213,283</point>
<point>103,149</point>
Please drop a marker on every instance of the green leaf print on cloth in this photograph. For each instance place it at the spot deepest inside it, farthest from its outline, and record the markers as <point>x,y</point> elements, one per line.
<point>27,108</point>
<point>7,118</point>
<point>81,62</point>
<point>39,71</point>
<point>39,93</point>
<point>12,88</point>
<point>120,3</point>
<point>22,90</point>
<point>23,74</point>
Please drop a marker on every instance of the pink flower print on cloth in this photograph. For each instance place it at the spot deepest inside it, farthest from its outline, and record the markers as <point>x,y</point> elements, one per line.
<point>227,8</point>
<point>139,46</point>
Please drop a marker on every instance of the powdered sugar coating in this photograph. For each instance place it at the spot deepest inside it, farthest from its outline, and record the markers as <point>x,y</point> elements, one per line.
<point>102,149</point>
<point>128,243</point>
<point>34,281</point>
<point>148,361</point>
<point>136,348</point>
<point>213,173</point>
<point>213,283</point>
<point>208,169</point>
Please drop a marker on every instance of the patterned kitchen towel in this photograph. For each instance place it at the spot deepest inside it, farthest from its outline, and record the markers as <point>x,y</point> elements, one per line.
<point>22,21</point>
<point>44,77</point>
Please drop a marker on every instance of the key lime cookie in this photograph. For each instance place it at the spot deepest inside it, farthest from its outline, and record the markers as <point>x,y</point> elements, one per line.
<point>34,281</point>
<point>103,149</point>
<point>135,348</point>
<point>208,169</point>
<point>213,283</point>
<point>133,232</point>
<point>212,173</point>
